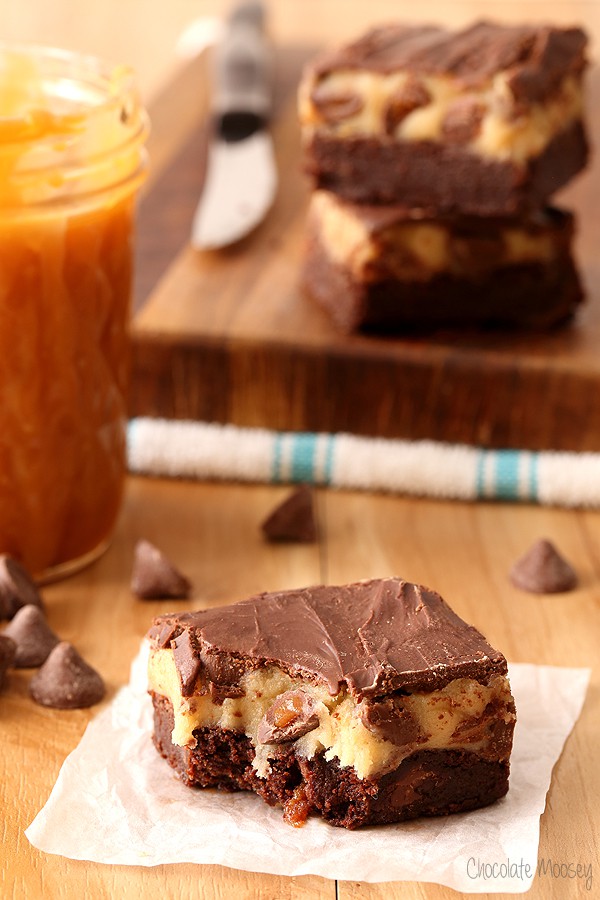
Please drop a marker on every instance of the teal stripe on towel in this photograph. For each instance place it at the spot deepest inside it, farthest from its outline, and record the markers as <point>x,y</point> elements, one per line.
<point>303,456</point>
<point>533,476</point>
<point>497,475</point>
<point>507,475</point>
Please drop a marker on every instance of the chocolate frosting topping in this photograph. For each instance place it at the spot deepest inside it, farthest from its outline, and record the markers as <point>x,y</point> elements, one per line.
<point>536,57</point>
<point>372,637</point>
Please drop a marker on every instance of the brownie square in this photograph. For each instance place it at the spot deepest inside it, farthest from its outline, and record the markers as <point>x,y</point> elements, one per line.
<point>392,269</point>
<point>366,703</point>
<point>486,121</point>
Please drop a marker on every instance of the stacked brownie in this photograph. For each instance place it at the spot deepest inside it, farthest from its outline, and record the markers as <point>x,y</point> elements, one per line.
<point>433,156</point>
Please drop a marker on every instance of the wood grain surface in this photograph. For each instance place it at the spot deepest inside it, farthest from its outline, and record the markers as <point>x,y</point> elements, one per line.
<point>229,336</point>
<point>211,530</point>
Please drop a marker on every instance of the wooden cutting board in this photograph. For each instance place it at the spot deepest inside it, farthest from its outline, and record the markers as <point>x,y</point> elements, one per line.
<point>228,336</point>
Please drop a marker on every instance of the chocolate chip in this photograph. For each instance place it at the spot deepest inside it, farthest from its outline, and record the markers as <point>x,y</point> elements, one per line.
<point>221,669</point>
<point>336,106</point>
<point>389,720</point>
<point>476,255</point>
<point>462,121</point>
<point>294,519</point>
<point>220,692</point>
<point>292,715</point>
<point>154,577</point>
<point>162,633</point>
<point>411,96</point>
<point>17,587</point>
<point>187,661</point>
<point>32,635</point>
<point>542,570</point>
<point>8,649</point>
<point>66,681</point>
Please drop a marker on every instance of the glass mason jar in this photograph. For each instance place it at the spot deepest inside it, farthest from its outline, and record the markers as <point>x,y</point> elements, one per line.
<point>72,135</point>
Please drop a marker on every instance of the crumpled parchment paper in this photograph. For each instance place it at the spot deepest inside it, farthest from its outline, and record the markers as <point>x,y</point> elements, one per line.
<point>117,801</point>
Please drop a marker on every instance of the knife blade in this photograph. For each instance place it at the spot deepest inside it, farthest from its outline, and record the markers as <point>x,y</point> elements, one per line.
<point>241,176</point>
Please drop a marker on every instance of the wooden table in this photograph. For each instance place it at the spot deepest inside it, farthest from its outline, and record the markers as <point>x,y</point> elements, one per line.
<point>211,531</point>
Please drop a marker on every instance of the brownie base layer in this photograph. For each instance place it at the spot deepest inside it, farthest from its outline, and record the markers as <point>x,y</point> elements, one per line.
<point>428,783</point>
<point>532,295</point>
<point>443,178</point>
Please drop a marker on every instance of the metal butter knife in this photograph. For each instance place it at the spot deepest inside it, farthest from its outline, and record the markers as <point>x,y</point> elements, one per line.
<point>241,177</point>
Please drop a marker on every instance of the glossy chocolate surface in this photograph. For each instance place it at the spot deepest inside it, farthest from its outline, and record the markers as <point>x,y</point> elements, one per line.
<point>372,637</point>
<point>536,58</point>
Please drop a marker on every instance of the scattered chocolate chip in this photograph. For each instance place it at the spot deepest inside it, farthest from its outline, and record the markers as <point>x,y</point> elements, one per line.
<point>8,649</point>
<point>17,587</point>
<point>32,635</point>
<point>154,577</point>
<point>389,720</point>
<point>411,96</point>
<point>542,570</point>
<point>462,121</point>
<point>289,717</point>
<point>335,107</point>
<point>294,519</point>
<point>66,681</point>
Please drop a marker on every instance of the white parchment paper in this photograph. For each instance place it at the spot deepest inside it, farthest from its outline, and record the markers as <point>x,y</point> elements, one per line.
<point>117,801</point>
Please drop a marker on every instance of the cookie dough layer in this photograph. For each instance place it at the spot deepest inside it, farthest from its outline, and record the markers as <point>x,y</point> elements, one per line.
<point>464,715</point>
<point>390,268</point>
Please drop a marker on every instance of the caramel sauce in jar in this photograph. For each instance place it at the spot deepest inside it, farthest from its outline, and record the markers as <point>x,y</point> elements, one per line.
<point>72,134</point>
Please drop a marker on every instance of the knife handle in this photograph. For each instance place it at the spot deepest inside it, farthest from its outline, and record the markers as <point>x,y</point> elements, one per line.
<point>242,78</point>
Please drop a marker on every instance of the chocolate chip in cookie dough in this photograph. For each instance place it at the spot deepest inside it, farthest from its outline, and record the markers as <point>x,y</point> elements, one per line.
<point>292,715</point>
<point>66,681</point>
<point>293,519</point>
<point>154,577</point>
<point>17,587</point>
<point>336,106</point>
<point>411,96</point>
<point>32,635</point>
<point>542,570</point>
<point>388,719</point>
<point>7,656</point>
<point>462,122</point>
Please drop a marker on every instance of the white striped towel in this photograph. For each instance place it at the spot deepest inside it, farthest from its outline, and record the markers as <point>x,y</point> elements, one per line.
<point>199,450</point>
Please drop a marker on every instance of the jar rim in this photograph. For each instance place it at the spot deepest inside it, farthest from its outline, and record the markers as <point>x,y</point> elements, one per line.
<point>72,125</point>
<point>110,83</point>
